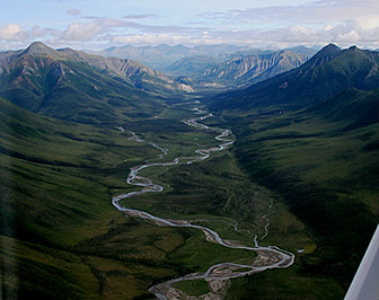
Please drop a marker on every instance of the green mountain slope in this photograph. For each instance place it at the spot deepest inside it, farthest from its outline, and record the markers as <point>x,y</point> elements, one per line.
<point>61,237</point>
<point>355,108</point>
<point>191,66</point>
<point>131,71</point>
<point>328,73</point>
<point>57,179</point>
<point>321,159</point>
<point>76,86</point>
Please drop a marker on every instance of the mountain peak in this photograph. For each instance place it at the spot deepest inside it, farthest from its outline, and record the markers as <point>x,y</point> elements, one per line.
<point>323,56</point>
<point>39,48</point>
<point>329,50</point>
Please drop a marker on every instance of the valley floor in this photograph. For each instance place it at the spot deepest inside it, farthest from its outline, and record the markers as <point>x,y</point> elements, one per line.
<point>63,239</point>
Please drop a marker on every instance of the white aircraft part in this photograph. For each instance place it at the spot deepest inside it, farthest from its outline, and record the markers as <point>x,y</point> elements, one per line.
<point>365,285</point>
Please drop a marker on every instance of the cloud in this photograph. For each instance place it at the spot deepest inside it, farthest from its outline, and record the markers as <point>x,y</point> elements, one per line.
<point>113,23</point>
<point>38,32</point>
<point>311,13</point>
<point>82,31</point>
<point>344,34</point>
<point>317,22</point>
<point>73,12</point>
<point>12,32</point>
<point>162,38</point>
<point>93,30</point>
<point>140,16</point>
<point>314,22</point>
<point>109,31</point>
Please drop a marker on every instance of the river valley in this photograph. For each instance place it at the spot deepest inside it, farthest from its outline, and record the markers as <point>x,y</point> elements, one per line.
<point>218,276</point>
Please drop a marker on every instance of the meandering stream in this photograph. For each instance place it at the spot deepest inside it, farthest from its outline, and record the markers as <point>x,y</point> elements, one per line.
<point>267,257</point>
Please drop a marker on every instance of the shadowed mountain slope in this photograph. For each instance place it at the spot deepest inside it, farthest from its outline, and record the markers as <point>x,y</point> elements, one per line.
<point>328,73</point>
<point>311,135</point>
<point>56,183</point>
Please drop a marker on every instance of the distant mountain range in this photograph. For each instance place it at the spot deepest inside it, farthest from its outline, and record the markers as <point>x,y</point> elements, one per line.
<point>214,66</point>
<point>237,72</point>
<point>161,56</point>
<point>75,85</point>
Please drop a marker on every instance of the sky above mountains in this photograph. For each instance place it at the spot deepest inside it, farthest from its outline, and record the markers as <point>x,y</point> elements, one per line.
<point>96,24</point>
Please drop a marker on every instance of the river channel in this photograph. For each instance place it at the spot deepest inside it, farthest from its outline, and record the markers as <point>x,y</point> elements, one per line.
<point>270,257</point>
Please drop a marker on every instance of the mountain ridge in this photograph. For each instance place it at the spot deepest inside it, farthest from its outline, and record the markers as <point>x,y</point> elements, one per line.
<point>237,72</point>
<point>326,74</point>
<point>162,56</point>
<point>159,57</point>
<point>311,136</point>
<point>112,66</point>
<point>78,86</point>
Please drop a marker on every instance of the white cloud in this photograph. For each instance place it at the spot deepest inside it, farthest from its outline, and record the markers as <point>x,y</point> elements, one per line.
<point>350,37</point>
<point>38,32</point>
<point>164,38</point>
<point>108,22</point>
<point>147,38</point>
<point>109,29</point>
<point>73,12</point>
<point>82,31</point>
<point>319,22</point>
<point>12,32</point>
<point>369,22</point>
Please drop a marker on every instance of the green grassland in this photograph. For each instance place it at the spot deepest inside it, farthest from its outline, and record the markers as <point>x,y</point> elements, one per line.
<point>284,284</point>
<point>57,180</point>
<point>168,131</point>
<point>322,163</point>
<point>214,192</point>
<point>193,287</point>
<point>61,238</point>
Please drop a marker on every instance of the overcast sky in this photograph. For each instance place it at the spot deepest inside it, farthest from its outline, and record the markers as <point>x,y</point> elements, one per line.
<point>97,24</point>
